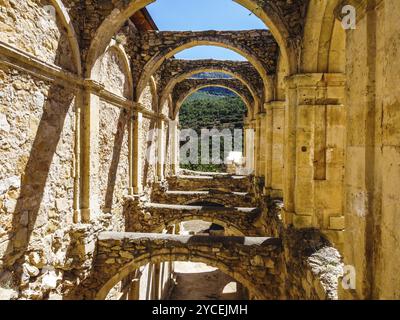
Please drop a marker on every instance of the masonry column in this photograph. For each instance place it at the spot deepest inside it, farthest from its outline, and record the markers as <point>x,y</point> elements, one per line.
<point>268,120</point>
<point>314,157</point>
<point>262,140</point>
<point>134,292</point>
<point>256,128</point>
<point>131,125</point>
<point>174,134</point>
<point>89,152</point>
<point>160,150</point>
<point>249,146</point>
<point>136,143</point>
<point>274,128</point>
<point>156,282</point>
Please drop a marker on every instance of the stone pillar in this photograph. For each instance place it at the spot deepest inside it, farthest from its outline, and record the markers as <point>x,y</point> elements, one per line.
<point>160,150</point>
<point>174,229</point>
<point>137,143</point>
<point>314,154</point>
<point>89,152</point>
<point>256,128</point>
<point>156,282</point>
<point>262,151</point>
<point>134,292</point>
<point>249,147</point>
<point>174,134</point>
<point>267,132</point>
<point>131,126</point>
<point>274,125</point>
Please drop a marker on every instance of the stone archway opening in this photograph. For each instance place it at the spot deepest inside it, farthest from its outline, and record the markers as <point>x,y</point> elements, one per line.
<point>178,280</point>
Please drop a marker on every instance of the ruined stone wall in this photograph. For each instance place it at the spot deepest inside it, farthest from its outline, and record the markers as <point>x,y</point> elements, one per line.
<point>42,251</point>
<point>113,73</point>
<point>113,151</point>
<point>249,259</point>
<point>165,109</point>
<point>312,266</point>
<point>148,153</point>
<point>37,175</point>
<point>146,98</point>
<point>113,161</point>
<point>38,153</point>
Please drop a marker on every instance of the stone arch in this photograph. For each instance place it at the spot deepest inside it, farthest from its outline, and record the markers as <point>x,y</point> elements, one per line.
<point>252,268</point>
<point>279,29</point>
<point>72,37</point>
<point>128,269</point>
<point>155,217</point>
<point>234,229</point>
<point>119,50</point>
<point>171,85</point>
<point>181,99</point>
<point>337,50</point>
<point>123,10</point>
<point>323,39</point>
<point>156,61</point>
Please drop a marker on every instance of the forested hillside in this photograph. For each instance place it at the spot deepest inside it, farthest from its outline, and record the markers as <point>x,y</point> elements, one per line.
<point>212,108</point>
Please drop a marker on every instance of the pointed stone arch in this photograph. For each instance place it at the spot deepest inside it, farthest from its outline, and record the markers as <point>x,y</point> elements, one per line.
<point>72,37</point>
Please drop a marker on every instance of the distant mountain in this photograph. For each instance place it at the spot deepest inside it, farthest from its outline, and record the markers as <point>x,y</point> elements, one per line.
<point>211,75</point>
<point>218,91</point>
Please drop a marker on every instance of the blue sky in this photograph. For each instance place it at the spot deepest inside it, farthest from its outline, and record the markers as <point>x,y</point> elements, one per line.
<point>199,15</point>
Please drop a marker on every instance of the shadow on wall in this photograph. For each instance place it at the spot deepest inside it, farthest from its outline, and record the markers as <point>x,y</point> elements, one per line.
<point>36,174</point>
<point>150,143</point>
<point>116,156</point>
<point>58,103</point>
